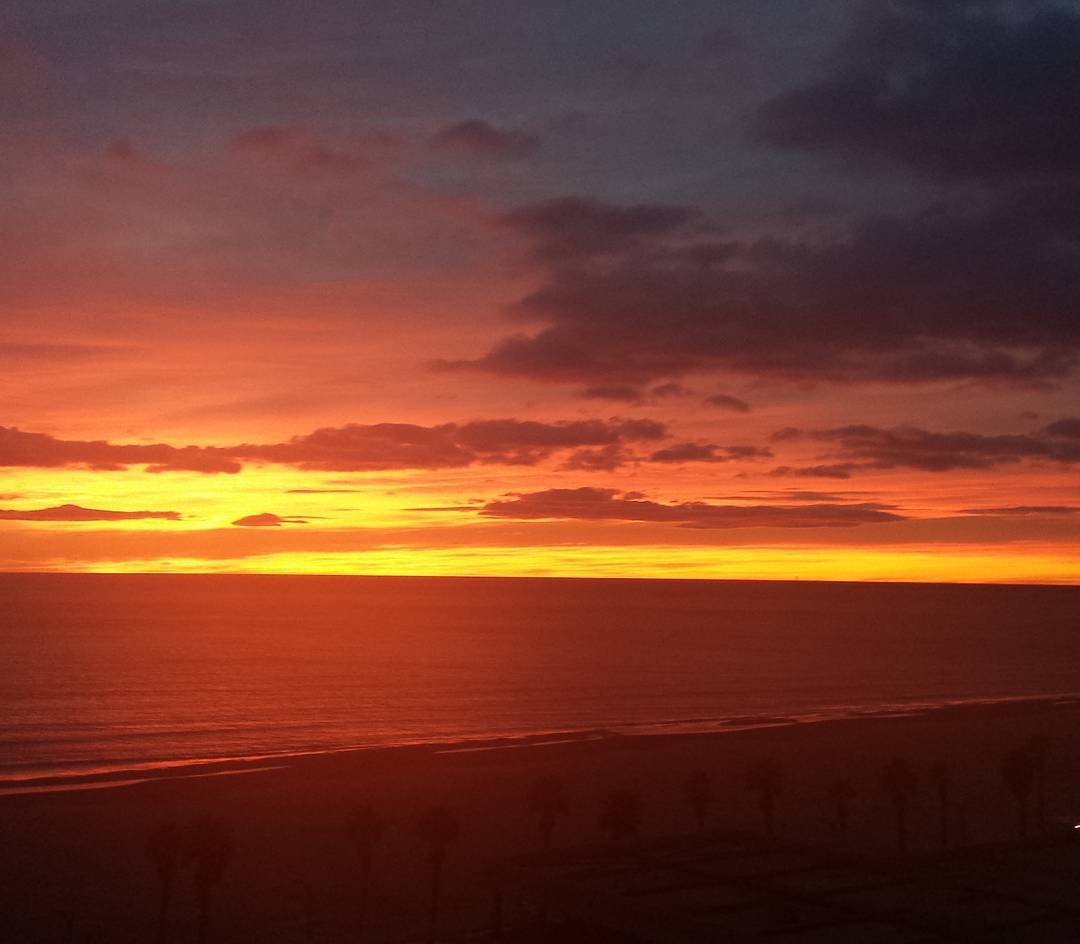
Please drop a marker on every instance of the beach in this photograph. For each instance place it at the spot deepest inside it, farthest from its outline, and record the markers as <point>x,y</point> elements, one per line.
<point>75,866</point>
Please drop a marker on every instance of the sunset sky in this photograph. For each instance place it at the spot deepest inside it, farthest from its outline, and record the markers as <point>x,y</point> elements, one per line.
<point>619,288</point>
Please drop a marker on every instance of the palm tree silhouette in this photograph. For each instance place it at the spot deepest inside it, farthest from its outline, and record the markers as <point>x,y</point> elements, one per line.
<point>364,829</point>
<point>942,781</point>
<point>1019,770</point>
<point>438,829</point>
<point>842,793</point>
<point>547,803</point>
<point>898,782</point>
<point>698,790</point>
<point>209,847</point>
<point>620,814</point>
<point>163,848</point>
<point>766,780</point>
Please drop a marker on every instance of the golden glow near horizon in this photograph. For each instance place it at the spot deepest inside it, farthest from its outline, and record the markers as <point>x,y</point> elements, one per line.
<point>422,523</point>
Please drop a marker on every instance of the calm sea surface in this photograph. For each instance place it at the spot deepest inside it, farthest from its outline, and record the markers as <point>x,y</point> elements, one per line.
<point>108,673</point>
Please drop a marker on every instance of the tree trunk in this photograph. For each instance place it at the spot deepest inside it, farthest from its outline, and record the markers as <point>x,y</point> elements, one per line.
<point>901,828</point>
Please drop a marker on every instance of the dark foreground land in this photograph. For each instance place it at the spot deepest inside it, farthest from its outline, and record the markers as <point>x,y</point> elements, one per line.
<point>274,858</point>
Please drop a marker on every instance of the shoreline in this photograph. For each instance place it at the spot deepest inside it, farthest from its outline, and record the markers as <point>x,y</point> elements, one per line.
<point>77,857</point>
<point>181,769</point>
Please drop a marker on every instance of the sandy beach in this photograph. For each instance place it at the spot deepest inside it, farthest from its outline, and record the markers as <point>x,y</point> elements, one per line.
<point>75,866</point>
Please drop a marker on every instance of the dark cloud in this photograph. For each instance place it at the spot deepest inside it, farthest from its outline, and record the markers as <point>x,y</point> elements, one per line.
<point>605,459</point>
<point>354,447</point>
<point>979,89</point>
<point>77,513</point>
<point>725,402</point>
<point>500,437</point>
<point>665,390</point>
<point>840,470</point>
<point>266,520</point>
<point>983,285</point>
<point>1065,428</point>
<point>18,448</point>
<point>482,139</point>
<point>908,447</point>
<point>572,228</point>
<point>606,504</point>
<point>708,452</point>
<point>984,291</point>
<point>797,495</point>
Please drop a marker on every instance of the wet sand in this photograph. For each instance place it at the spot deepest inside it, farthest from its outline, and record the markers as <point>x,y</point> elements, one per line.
<point>74,867</point>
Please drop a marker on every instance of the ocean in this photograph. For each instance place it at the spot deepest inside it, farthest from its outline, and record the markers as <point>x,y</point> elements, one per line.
<point>103,674</point>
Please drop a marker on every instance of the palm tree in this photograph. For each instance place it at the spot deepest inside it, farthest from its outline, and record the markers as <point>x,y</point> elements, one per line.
<point>438,829</point>
<point>547,803</point>
<point>210,848</point>
<point>766,779</point>
<point>898,782</point>
<point>620,814</point>
<point>942,780</point>
<point>842,793</point>
<point>163,848</point>
<point>364,830</point>
<point>698,790</point>
<point>1019,770</point>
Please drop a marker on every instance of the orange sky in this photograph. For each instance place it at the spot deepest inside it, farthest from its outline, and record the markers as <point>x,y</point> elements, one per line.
<point>277,301</point>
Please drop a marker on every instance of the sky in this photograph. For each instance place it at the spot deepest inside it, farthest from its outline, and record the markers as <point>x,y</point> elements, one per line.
<point>783,290</point>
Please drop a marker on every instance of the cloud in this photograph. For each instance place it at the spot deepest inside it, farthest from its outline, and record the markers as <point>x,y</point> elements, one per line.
<point>708,452</point>
<point>1065,428</point>
<point>78,513</point>
<point>22,449</point>
<point>796,495</point>
<point>266,520</point>
<point>840,470</point>
<point>665,390</point>
<point>607,504</point>
<point>960,90</point>
<point>351,448</point>
<point>572,228</point>
<point>909,447</point>
<point>605,459</point>
<point>981,290</point>
<point>476,137</point>
<point>724,402</point>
